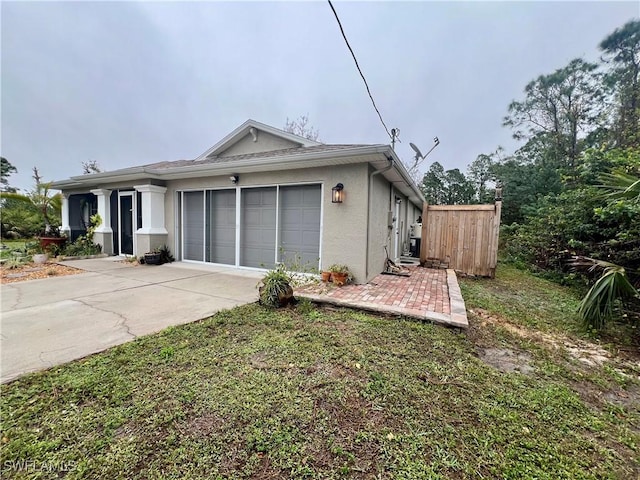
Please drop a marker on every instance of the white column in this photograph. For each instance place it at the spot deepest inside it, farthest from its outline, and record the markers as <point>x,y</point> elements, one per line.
<point>65,228</point>
<point>104,210</point>
<point>152,209</point>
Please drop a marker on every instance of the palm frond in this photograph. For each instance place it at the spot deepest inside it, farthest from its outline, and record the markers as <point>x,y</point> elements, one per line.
<point>621,185</point>
<point>602,300</point>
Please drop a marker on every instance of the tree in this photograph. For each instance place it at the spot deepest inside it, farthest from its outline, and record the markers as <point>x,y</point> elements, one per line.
<point>47,205</point>
<point>479,174</point>
<point>458,190</point>
<point>559,109</point>
<point>621,50</point>
<point>6,169</point>
<point>449,187</point>
<point>433,184</point>
<point>301,127</point>
<point>91,166</point>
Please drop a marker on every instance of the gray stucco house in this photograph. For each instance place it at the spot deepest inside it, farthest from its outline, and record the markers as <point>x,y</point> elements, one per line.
<point>258,196</point>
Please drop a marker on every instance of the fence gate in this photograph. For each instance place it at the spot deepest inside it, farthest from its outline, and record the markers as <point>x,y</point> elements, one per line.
<point>464,237</point>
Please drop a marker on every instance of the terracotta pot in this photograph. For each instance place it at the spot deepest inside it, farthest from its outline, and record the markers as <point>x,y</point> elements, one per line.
<point>339,278</point>
<point>44,241</point>
<point>326,276</point>
<point>284,299</point>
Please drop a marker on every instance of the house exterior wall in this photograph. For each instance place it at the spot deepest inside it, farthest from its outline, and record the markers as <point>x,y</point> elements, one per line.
<point>344,226</point>
<point>379,230</point>
<point>264,143</point>
<point>354,232</point>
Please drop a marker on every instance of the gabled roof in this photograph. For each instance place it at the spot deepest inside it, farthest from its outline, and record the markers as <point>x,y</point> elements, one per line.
<point>242,131</point>
<point>286,152</point>
<point>304,154</point>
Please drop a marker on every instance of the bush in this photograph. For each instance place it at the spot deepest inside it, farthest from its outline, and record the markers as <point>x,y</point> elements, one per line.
<point>83,245</point>
<point>275,287</point>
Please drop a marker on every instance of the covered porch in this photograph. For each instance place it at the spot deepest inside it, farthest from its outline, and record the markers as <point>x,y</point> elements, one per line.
<point>132,218</point>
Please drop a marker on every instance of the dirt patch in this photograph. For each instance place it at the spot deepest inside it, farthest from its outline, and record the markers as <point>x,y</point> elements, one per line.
<point>594,396</point>
<point>204,425</point>
<point>32,271</point>
<point>587,353</point>
<point>328,370</point>
<point>346,419</point>
<point>259,361</point>
<point>507,360</point>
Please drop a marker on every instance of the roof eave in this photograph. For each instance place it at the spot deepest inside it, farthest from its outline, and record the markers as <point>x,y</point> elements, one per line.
<point>125,174</point>
<point>313,159</point>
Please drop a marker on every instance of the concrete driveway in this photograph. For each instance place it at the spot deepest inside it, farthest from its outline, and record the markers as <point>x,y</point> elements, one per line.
<point>52,321</point>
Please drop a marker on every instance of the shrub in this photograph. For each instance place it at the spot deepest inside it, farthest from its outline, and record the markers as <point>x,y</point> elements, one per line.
<point>275,287</point>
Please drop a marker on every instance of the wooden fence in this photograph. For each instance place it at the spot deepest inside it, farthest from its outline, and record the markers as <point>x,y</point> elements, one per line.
<point>462,237</point>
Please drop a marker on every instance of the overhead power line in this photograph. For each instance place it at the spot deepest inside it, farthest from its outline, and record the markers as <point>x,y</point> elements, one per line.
<point>359,70</point>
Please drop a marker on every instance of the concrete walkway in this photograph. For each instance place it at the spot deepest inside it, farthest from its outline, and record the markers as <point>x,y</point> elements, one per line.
<point>427,294</point>
<point>52,321</point>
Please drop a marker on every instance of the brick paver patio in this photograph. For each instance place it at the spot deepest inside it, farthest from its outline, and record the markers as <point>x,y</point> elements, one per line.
<point>427,294</point>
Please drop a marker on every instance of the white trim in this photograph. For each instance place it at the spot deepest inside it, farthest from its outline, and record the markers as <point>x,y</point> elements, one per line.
<point>240,132</point>
<point>204,225</point>
<point>277,225</point>
<point>321,225</point>
<point>147,187</point>
<point>238,223</point>
<point>181,226</point>
<point>175,224</point>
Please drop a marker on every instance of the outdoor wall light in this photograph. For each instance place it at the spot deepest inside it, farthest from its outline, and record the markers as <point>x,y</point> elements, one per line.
<point>234,179</point>
<point>337,193</point>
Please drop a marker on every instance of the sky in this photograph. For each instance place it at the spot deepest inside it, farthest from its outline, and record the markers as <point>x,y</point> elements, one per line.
<point>131,83</point>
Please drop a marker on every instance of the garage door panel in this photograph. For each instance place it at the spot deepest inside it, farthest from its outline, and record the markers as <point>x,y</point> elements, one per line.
<point>258,229</point>
<point>300,224</point>
<point>193,226</point>
<point>311,217</point>
<point>311,238</point>
<point>222,226</point>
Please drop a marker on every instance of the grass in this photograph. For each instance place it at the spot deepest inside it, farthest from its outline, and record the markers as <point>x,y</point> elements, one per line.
<point>323,393</point>
<point>12,245</point>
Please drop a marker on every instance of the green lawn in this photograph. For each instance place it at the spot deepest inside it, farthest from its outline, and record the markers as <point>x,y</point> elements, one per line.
<point>318,393</point>
<point>12,246</point>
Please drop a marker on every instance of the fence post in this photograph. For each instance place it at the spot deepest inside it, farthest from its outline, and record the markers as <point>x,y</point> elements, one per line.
<point>493,253</point>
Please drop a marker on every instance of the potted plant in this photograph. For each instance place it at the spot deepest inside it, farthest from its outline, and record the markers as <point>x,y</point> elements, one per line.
<point>152,258</point>
<point>158,256</point>
<point>326,276</point>
<point>340,274</point>
<point>275,287</point>
<point>38,254</point>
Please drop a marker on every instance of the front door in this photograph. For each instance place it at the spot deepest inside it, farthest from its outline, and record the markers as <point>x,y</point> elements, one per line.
<point>126,216</point>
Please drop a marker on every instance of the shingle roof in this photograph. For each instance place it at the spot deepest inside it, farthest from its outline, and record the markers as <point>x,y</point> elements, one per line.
<point>274,153</point>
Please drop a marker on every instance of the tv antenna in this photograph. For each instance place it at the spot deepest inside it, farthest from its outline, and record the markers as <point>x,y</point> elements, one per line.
<point>395,137</point>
